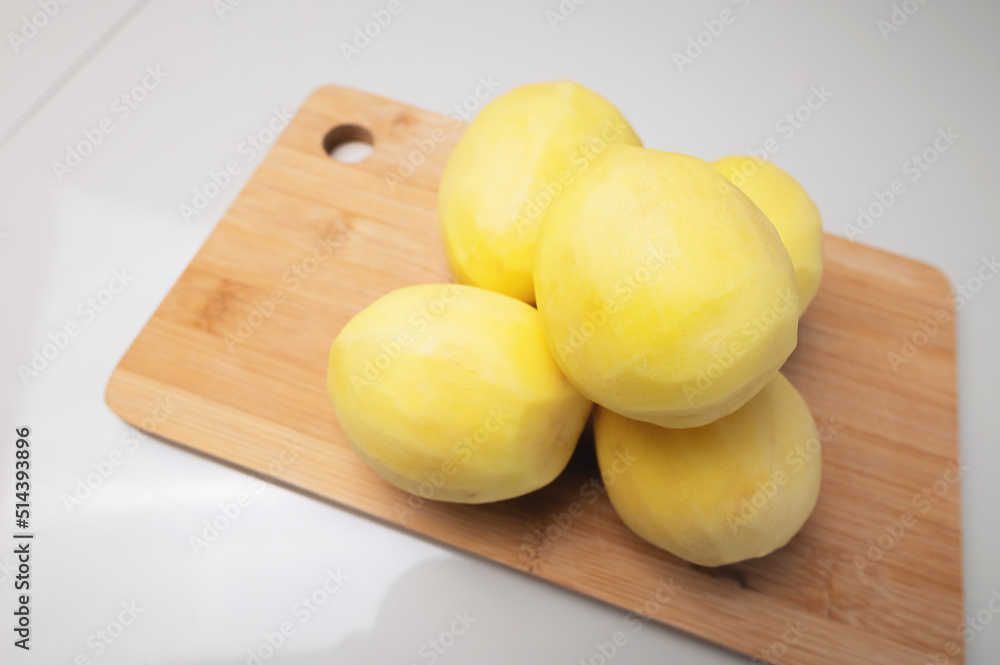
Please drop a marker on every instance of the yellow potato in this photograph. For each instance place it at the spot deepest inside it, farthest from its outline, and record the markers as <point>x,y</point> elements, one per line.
<point>665,293</point>
<point>736,489</point>
<point>450,392</point>
<point>517,155</point>
<point>783,200</point>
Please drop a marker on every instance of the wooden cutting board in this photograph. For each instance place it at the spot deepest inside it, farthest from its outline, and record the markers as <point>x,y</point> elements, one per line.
<point>240,347</point>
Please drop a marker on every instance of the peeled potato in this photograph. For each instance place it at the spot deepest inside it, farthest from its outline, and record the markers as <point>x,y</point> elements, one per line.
<point>665,293</point>
<point>450,392</point>
<point>517,156</point>
<point>737,489</point>
<point>790,209</point>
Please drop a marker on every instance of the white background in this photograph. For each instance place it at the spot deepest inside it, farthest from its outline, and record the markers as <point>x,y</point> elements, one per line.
<point>61,241</point>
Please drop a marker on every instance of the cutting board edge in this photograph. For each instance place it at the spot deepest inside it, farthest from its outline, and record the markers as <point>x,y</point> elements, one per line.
<point>679,623</point>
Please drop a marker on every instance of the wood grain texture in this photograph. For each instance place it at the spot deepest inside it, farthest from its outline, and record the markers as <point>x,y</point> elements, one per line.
<point>240,346</point>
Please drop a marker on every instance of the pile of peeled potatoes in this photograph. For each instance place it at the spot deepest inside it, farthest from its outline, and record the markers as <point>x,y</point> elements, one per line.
<point>662,290</point>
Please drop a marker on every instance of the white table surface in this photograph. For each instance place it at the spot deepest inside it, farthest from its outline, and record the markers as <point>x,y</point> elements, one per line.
<point>62,240</point>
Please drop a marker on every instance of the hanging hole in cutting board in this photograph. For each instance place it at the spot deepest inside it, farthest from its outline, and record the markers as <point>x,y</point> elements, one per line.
<point>348,143</point>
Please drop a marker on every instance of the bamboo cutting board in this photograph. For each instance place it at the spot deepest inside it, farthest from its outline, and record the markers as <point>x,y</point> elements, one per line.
<point>240,345</point>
